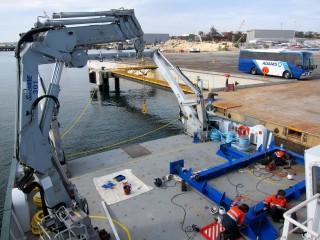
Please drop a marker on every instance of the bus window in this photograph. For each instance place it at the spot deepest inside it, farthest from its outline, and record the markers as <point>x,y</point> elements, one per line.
<point>291,58</point>
<point>308,61</point>
<point>298,61</point>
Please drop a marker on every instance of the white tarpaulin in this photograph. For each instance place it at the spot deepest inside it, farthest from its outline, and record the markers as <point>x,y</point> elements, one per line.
<point>116,193</point>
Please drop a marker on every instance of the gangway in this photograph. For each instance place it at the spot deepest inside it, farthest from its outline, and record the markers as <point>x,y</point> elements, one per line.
<point>125,72</point>
<point>140,74</point>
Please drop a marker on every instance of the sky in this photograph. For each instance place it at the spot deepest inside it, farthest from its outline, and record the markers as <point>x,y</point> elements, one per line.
<point>175,17</point>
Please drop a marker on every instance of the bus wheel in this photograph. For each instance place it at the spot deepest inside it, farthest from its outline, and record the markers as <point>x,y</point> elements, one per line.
<point>253,71</point>
<point>287,75</point>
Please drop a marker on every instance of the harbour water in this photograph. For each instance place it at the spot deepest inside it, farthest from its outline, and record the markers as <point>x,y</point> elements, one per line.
<point>111,120</point>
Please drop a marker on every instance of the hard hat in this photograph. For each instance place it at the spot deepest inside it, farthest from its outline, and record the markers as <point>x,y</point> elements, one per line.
<point>279,153</point>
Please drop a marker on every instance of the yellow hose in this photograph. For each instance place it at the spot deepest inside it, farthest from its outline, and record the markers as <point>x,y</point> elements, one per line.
<point>115,221</point>
<point>34,222</point>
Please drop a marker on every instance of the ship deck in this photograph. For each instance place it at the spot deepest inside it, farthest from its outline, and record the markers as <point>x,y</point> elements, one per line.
<point>155,213</point>
<point>160,212</point>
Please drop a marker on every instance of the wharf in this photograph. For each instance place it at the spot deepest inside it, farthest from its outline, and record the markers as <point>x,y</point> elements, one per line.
<point>292,110</point>
<point>159,213</point>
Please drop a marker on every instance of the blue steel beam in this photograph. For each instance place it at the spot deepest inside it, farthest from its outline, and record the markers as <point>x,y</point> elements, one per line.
<point>237,159</point>
<point>222,200</point>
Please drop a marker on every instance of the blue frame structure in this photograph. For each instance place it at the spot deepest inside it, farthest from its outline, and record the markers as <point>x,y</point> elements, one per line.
<point>237,159</point>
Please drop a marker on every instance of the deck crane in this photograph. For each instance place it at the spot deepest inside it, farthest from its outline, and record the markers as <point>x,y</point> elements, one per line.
<point>36,137</point>
<point>64,41</point>
<point>192,110</point>
<point>194,115</point>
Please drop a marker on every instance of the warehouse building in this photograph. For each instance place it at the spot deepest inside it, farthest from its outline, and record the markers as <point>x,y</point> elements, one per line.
<point>270,35</point>
<point>154,38</point>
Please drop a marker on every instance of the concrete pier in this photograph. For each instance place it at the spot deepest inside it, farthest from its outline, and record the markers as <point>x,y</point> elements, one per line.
<point>211,81</point>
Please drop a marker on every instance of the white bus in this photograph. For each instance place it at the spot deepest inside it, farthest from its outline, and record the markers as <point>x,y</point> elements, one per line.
<point>275,62</point>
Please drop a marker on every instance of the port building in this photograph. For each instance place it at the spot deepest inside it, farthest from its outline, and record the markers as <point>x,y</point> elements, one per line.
<point>271,35</point>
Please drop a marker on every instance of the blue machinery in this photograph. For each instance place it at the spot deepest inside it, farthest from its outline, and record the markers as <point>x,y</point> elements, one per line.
<point>236,160</point>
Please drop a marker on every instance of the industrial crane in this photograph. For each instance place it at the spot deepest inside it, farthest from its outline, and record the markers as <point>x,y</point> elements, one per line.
<point>37,146</point>
<point>239,31</point>
<point>241,25</point>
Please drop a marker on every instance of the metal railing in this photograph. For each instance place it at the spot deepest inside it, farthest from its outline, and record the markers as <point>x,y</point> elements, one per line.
<point>68,233</point>
<point>309,231</point>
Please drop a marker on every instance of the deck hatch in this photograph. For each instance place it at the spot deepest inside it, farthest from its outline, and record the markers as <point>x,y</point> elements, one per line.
<point>135,151</point>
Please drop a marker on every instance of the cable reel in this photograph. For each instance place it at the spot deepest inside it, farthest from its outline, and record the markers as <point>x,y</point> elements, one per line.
<point>243,131</point>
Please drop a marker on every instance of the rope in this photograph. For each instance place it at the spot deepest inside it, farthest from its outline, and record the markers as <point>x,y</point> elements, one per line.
<point>215,135</point>
<point>228,137</point>
<point>78,119</point>
<point>120,143</point>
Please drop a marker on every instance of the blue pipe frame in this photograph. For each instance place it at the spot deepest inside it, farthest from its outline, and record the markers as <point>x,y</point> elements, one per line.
<point>255,217</point>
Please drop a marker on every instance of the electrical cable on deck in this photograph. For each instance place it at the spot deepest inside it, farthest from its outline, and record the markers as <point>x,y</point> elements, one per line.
<point>186,229</point>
